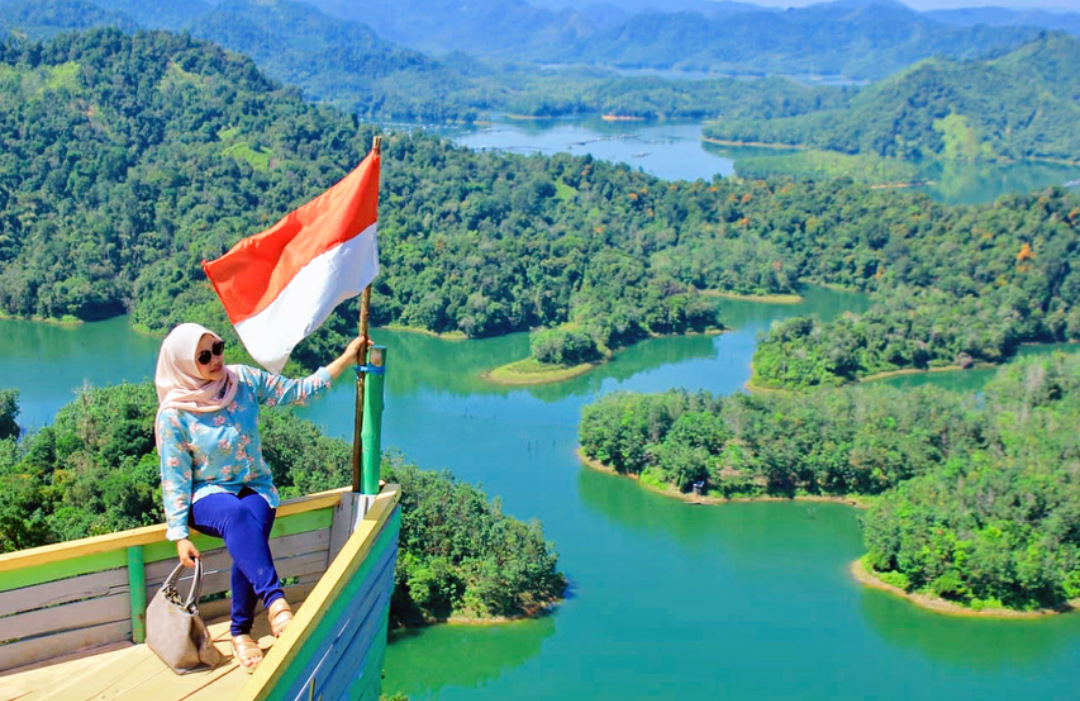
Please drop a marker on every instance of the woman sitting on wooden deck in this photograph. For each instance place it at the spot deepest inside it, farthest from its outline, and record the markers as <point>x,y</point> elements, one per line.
<point>213,476</point>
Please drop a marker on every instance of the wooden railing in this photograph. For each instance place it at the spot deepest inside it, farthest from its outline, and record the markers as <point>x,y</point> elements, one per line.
<point>61,598</point>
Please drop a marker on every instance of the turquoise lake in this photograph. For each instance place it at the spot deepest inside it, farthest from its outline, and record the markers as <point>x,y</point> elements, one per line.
<point>666,600</point>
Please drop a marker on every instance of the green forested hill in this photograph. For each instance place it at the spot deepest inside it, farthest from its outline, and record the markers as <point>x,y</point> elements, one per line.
<point>1002,17</point>
<point>865,40</point>
<point>509,28</point>
<point>859,41</point>
<point>41,19</point>
<point>978,498</point>
<point>340,62</point>
<point>131,159</point>
<point>1025,104</point>
<point>344,63</point>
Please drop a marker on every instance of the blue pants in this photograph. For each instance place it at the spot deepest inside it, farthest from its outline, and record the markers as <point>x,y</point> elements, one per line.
<point>243,521</point>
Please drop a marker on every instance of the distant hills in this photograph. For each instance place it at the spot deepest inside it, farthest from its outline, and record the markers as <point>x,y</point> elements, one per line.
<point>1005,17</point>
<point>1023,105</point>
<point>352,53</point>
<point>347,64</point>
<point>869,41</point>
<point>862,39</point>
<point>37,20</point>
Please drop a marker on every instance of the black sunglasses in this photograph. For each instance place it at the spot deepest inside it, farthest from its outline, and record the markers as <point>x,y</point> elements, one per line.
<point>218,348</point>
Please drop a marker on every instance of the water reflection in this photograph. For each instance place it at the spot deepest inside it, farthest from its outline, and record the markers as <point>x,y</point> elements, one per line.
<point>972,380</point>
<point>958,182</point>
<point>755,530</point>
<point>420,663</point>
<point>420,361</point>
<point>976,643</point>
<point>675,151</point>
<point>48,363</point>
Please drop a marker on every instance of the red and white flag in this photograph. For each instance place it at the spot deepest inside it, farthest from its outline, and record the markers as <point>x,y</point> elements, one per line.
<point>279,285</point>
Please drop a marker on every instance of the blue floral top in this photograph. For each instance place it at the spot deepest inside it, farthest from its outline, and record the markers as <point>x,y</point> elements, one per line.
<point>220,451</point>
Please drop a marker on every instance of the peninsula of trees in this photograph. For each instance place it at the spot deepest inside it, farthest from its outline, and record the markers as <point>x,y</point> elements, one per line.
<point>95,470</point>
<point>975,500</point>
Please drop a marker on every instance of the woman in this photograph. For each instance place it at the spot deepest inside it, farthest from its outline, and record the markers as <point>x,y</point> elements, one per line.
<point>213,476</point>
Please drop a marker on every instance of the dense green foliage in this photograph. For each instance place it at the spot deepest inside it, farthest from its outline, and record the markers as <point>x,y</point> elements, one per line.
<point>996,524</point>
<point>1025,104</point>
<point>41,19</point>
<point>958,286</point>
<point>817,165</point>
<point>978,499</point>
<point>461,555</point>
<point>848,441</point>
<point>134,158</point>
<point>9,410</point>
<point>95,470</point>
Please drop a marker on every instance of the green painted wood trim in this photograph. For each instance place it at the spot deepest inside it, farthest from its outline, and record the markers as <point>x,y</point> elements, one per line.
<point>371,432</point>
<point>290,525</point>
<point>16,579</point>
<point>302,659</point>
<point>137,587</point>
<point>153,552</point>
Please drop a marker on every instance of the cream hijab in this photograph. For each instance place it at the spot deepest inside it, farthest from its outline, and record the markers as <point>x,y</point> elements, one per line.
<point>179,384</point>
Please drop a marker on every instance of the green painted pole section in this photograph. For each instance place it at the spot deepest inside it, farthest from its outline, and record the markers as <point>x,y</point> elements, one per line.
<point>137,587</point>
<point>371,432</point>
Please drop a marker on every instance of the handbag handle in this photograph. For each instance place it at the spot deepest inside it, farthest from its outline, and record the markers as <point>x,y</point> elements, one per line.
<point>196,583</point>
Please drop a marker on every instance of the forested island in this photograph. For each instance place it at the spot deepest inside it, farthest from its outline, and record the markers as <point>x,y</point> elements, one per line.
<point>96,470</point>
<point>974,502</point>
<point>133,158</point>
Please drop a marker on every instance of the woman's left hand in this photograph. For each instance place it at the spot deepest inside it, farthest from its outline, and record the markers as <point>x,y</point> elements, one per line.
<point>350,357</point>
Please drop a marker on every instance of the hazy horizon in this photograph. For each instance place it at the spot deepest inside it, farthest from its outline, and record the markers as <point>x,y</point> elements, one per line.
<point>924,5</point>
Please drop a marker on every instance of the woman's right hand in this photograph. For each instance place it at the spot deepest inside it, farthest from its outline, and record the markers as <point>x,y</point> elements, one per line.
<point>187,552</point>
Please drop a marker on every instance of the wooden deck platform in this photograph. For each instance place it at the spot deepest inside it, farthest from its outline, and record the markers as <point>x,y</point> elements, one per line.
<point>69,612</point>
<point>129,672</point>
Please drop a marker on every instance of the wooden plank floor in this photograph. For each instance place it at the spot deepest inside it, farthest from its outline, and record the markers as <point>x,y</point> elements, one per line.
<point>127,672</point>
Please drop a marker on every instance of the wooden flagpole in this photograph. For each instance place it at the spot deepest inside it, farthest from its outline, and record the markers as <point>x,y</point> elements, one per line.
<point>361,359</point>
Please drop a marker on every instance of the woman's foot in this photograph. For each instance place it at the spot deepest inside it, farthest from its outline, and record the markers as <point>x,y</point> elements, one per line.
<point>247,652</point>
<point>280,615</point>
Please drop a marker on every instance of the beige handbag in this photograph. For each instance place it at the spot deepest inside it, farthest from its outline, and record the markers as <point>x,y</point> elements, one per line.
<point>174,629</point>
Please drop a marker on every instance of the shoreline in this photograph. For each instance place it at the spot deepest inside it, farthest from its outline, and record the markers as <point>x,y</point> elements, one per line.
<point>917,371</point>
<point>505,376</point>
<point>793,298</point>
<point>73,321</point>
<point>752,386</point>
<point>805,147</point>
<point>450,336</point>
<point>541,611</point>
<point>936,604</point>
<point>695,500</point>
<point>756,144</point>
<point>622,118</point>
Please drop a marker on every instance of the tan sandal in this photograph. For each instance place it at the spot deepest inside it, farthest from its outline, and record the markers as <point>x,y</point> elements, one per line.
<point>247,652</point>
<point>279,614</point>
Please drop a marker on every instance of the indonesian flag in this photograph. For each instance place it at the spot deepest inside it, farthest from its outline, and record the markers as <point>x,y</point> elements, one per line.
<point>279,285</point>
